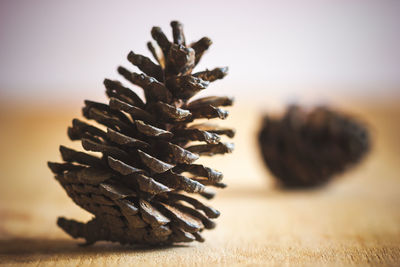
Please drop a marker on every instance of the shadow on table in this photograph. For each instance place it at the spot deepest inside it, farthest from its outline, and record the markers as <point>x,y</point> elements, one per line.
<point>274,190</point>
<point>29,250</point>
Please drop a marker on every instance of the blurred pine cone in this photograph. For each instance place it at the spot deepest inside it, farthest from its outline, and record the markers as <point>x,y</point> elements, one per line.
<point>304,149</point>
<point>136,189</point>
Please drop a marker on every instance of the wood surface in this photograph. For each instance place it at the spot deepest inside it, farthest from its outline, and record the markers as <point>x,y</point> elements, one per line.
<point>355,220</point>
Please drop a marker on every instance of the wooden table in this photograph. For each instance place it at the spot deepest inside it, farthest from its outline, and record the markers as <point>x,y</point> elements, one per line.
<point>354,220</point>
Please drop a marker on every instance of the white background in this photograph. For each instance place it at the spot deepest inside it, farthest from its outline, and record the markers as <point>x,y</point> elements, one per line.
<point>62,50</point>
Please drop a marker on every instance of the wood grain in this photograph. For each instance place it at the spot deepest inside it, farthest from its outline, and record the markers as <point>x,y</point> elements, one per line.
<point>354,220</point>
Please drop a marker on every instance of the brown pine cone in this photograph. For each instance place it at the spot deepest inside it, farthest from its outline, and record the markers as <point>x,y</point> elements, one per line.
<point>137,189</point>
<point>307,148</point>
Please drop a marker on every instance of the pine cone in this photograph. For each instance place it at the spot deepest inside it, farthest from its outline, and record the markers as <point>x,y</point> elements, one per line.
<point>305,149</point>
<point>136,189</point>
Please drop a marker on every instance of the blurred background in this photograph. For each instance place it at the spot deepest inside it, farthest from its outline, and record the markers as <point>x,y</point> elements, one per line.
<point>55,54</point>
<point>60,51</point>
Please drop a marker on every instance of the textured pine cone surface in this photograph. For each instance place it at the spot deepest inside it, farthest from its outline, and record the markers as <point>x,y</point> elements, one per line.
<point>307,148</point>
<point>137,187</point>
